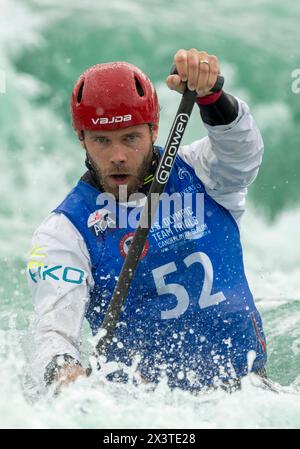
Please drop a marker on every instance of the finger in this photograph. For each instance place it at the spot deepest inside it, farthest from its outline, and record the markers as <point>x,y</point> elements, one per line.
<point>174,83</point>
<point>193,68</point>
<point>204,71</point>
<point>180,60</point>
<point>213,72</point>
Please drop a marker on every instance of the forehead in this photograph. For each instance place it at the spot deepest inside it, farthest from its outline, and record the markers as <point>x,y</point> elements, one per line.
<point>119,132</point>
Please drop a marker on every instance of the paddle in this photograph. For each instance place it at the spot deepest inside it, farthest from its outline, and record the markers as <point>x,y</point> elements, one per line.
<point>158,184</point>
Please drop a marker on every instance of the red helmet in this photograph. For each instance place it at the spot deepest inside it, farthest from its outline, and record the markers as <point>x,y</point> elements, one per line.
<point>112,96</point>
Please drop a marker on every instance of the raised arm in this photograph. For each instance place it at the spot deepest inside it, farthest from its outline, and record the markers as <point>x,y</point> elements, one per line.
<point>228,159</point>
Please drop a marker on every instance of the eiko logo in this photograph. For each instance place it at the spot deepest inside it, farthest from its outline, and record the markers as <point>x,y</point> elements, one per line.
<point>163,172</point>
<point>107,121</point>
<point>57,273</point>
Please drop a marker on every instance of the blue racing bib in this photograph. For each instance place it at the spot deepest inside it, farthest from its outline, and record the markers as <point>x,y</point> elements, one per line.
<point>189,312</point>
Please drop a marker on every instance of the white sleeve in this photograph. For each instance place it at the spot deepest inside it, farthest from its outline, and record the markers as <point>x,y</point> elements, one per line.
<point>228,160</point>
<point>59,277</point>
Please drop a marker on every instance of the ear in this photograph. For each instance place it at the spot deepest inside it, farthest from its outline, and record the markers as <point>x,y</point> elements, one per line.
<point>154,134</point>
<point>80,135</point>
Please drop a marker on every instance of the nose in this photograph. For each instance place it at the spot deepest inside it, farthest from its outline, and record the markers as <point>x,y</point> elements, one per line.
<point>118,155</point>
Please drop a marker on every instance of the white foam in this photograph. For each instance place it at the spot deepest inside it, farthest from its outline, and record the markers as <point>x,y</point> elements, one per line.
<point>272,256</point>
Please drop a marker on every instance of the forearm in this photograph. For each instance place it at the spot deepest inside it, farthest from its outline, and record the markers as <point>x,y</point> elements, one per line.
<point>57,328</point>
<point>59,278</point>
<point>218,109</point>
<point>229,158</point>
<point>235,151</point>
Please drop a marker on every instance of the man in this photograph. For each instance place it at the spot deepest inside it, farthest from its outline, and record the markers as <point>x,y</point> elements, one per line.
<point>189,314</point>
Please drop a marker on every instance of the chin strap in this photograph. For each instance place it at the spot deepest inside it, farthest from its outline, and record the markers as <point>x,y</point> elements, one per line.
<point>151,173</point>
<point>88,163</point>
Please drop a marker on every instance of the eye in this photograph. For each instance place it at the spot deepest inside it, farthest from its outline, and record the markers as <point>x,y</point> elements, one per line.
<point>101,139</point>
<point>131,137</point>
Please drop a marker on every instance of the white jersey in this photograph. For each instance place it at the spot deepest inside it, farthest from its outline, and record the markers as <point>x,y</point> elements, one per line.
<point>226,161</point>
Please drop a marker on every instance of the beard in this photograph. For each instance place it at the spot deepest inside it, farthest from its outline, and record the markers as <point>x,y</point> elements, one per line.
<point>136,179</point>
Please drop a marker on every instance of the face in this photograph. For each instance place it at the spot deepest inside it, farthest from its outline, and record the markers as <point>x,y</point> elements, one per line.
<point>120,157</point>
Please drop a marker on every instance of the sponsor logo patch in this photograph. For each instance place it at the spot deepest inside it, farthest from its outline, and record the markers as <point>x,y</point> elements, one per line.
<point>100,220</point>
<point>184,174</point>
<point>126,242</point>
